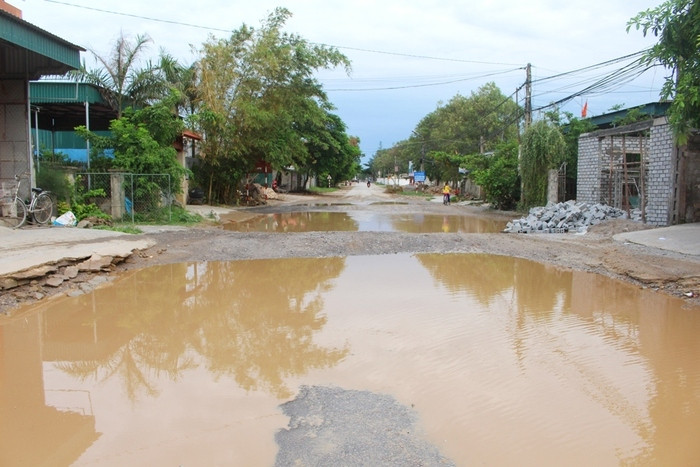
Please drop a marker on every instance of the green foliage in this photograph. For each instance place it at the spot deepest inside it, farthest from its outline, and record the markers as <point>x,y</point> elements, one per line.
<point>82,205</point>
<point>62,207</point>
<point>677,25</point>
<point>167,215</point>
<point>50,178</point>
<point>331,151</point>
<point>543,148</point>
<point>119,78</point>
<point>571,127</point>
<point>322,189</point>
<point>128,229</point>
<point>497,174</point>
<point>89,210</point>
<point>445,166</point>
<point>465,125</point>
<point>141,142</point>
<point>260,100</point>
<point>631,116</point>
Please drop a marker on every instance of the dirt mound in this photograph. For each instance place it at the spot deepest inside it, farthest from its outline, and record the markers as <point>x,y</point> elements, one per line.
<point>615,226</point>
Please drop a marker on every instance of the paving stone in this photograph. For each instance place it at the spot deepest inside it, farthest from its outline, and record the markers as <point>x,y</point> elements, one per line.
<point>568,216</point>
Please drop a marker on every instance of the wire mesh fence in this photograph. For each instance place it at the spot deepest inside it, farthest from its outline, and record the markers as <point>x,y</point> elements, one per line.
<point>127,197</point>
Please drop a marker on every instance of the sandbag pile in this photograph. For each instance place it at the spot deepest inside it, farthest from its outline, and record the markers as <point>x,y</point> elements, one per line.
<point>566,217</point>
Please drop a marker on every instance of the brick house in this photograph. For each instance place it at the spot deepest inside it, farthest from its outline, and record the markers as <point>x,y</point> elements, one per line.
<point>638,167</point>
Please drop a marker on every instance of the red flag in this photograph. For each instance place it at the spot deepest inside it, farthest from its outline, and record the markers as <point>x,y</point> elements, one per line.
<point>584,110</point>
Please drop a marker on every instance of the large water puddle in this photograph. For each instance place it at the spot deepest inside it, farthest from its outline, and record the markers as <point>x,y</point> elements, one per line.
<point>503,361</point>
<point>364,221</point>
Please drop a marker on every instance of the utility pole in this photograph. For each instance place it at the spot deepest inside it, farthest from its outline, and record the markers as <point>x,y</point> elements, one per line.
<point>528,96</point>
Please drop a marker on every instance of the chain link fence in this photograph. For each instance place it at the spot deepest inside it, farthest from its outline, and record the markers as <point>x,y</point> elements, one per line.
<point>144,198</point>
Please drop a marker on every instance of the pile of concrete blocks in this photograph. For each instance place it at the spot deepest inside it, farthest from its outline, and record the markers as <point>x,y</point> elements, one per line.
<point>567,217</point>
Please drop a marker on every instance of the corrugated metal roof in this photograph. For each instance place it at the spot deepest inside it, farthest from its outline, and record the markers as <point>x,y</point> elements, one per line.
<point>42,92</point>
<point>61,105</point>
<point>28,52</point>
<point>652,109</point>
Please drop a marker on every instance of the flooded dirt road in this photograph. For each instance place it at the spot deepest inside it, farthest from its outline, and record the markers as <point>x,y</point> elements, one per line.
<point>464,358</point>
<point>356,348</point>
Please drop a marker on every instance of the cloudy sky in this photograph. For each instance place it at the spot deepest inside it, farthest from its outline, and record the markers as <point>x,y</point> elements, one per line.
<point>408,56</point>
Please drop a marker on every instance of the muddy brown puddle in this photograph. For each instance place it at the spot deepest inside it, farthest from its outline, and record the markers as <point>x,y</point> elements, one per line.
<point>504,362</point>
<point>363,221</point>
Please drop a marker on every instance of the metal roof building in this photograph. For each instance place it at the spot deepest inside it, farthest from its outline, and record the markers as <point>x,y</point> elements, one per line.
<point>26,53</point>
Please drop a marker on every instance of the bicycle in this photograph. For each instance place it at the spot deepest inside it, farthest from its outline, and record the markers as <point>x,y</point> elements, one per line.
<point>40,207</point>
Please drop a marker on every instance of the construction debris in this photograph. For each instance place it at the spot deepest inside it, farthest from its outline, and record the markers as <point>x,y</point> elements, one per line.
<point>567,217</point>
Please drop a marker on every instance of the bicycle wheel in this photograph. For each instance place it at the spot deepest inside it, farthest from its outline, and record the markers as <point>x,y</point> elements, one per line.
<point>17,214</point>
<point>42,208</point>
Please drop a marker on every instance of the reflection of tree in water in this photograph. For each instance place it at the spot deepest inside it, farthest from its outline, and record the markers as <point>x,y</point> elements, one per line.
<point>635,323</point>
<point>261,317</point>
<point>254,320</point>
<point>310,221</point>
<point>486,277</point>
<point>428,223</point>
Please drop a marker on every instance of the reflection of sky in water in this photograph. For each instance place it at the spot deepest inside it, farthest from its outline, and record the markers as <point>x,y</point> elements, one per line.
<point>365,221</point>
<point>189,362</point>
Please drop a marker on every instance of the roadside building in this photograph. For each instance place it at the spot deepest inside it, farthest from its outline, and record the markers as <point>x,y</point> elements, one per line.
<point>639,168</point>
<point>26,54</point>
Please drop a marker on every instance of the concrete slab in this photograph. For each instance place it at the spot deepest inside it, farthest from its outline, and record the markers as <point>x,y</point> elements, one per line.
<point>31,247</point>
<point>684,238</point>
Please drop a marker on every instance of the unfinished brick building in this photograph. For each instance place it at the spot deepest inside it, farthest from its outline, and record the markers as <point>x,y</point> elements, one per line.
<point>638,167</point>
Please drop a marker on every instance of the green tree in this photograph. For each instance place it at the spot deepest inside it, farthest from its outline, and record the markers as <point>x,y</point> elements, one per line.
<point>332,152</point>
<point>677,25</point>
<point>258,93</point>
<point>571,128</point>
<point>142,142</point>
<point>497,174</point>
<point>543,148</point>
<point>465,125</point>
<point>120,80</point>
<point>445,166</point>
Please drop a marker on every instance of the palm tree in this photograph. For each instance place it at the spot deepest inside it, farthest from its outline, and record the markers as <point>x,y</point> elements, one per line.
<point>183,80</point>
<point>120,82</point>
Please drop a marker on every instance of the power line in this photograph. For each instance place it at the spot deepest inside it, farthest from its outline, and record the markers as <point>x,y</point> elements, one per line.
<point>593,67</point>
<point>159,20</point>
<point>408,86</point>
<point>198,26</point>
<point>426,57</point>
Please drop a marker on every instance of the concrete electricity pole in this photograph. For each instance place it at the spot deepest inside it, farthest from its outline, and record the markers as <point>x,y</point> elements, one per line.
<point>528,96</point>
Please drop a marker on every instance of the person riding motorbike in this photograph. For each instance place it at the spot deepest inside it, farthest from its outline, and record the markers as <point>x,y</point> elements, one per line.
<point>446,194</point>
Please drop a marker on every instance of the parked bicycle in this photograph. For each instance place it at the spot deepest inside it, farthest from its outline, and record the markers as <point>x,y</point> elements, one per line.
<point>40,207</point>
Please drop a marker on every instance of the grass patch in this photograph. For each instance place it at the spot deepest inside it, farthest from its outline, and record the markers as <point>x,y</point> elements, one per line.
<point>177,216</point>
<point>124,228</point>
<point>320,190</point>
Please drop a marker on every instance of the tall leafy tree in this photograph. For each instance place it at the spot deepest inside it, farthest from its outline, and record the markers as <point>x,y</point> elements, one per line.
<point>465,125</point>
<point>257,92</point>
<point>543,148</point>
<point>332,152</point>
<point>677,25</point>
<point>121,79</point>
<point>471,124</point>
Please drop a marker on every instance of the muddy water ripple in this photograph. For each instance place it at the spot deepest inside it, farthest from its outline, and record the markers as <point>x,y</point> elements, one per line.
<point>502,361</point>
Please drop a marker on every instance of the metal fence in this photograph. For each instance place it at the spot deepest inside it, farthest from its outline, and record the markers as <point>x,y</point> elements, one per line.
<point>128,197</point>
